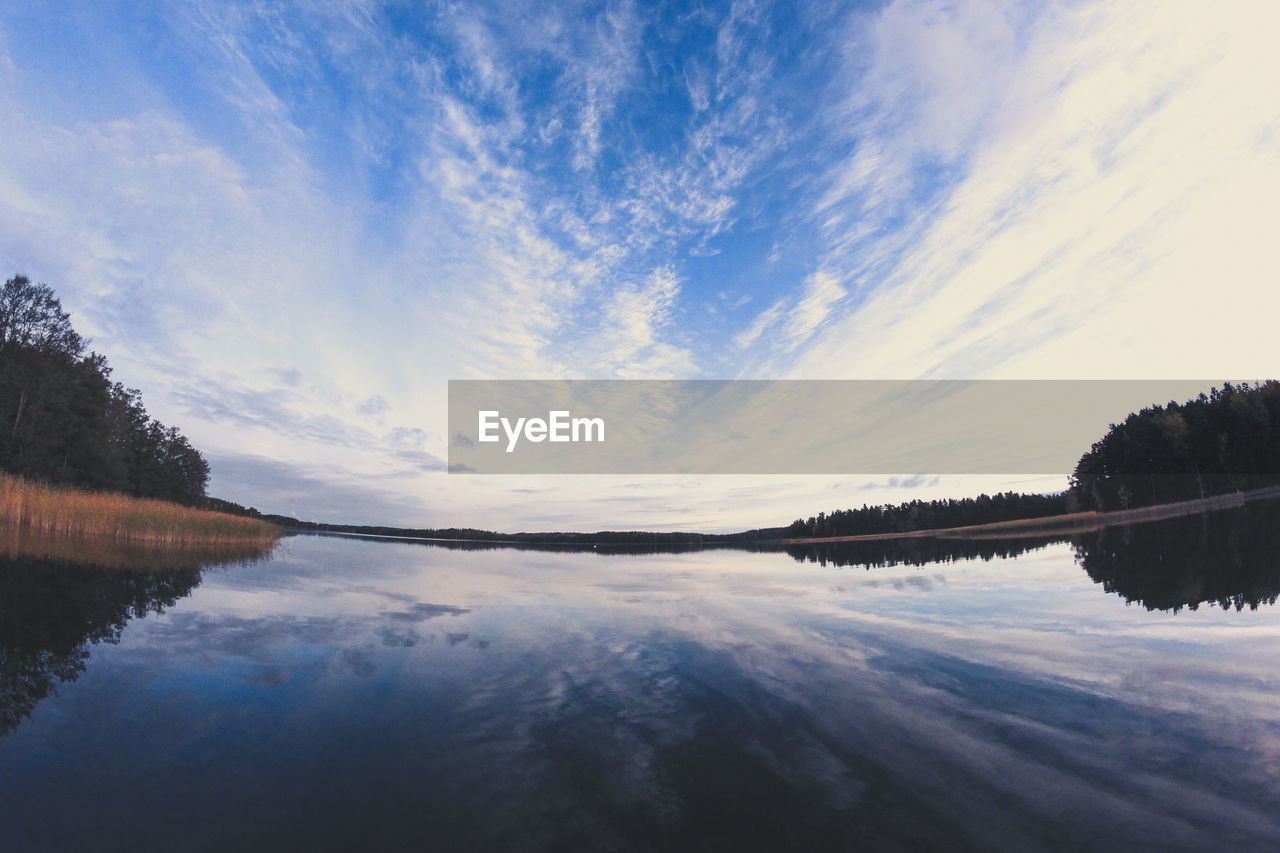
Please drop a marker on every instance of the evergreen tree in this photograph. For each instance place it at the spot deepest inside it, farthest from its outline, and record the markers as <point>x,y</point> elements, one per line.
<point>63,420</point>
<point>1227,440</point>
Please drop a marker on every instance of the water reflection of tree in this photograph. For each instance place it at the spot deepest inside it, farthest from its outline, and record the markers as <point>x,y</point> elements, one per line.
<point>922,551</point>
<point>1231,559</point>
<point>52,611</point>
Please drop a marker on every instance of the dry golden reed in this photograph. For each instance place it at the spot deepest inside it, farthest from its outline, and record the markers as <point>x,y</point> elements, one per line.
<point>48,511</point>
<point>105,553</point>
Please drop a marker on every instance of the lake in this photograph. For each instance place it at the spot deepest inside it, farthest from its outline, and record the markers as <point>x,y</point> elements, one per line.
<point>1113,691</point>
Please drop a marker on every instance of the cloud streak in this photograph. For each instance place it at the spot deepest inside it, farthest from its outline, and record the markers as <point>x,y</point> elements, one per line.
<point>1078,239</point>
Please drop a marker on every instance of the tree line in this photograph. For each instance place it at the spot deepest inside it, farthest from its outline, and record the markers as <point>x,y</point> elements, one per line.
<point>610,539</point>
<point>1223,441</point>
<point>927,515</point>
<point>64,421</point>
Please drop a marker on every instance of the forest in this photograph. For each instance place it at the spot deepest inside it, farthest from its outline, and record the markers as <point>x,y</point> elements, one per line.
<point>64,421</point>
<point>927,515</point>
<point>1224,441</point>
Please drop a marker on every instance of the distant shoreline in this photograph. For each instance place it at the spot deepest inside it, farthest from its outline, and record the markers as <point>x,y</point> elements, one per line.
<point>693,540</point>
<point>1075,522</point>
<point>1064,524</point>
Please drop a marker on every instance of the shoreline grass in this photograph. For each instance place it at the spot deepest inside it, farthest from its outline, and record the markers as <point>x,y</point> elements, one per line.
<point>51,511</point>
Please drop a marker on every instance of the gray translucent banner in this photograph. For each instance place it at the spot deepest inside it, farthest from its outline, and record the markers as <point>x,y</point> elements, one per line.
<point>789,426</point>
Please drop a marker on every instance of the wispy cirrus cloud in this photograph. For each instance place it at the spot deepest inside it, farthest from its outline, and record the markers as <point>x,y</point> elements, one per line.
<point>1073,203</point>
<point>634,320</point>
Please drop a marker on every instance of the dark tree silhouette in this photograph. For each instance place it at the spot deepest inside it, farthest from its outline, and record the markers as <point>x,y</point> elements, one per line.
<point>1229,559</point>
<point>927,515</point>
<point>1220,442</point>
<point>53,611</point>
<point>64,421</point>
<point>919,552</point>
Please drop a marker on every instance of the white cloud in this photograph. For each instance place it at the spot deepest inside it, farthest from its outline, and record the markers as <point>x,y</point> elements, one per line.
<point>628,343</point>
<point>764,320</point>
<point>1111,220</point>
<point>600,74</point>
<point>822,290</point>
<point>936,74</point>
<point>794,320</point>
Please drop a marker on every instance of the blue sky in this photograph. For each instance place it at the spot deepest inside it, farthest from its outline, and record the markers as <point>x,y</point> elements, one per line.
<point>290,224</point>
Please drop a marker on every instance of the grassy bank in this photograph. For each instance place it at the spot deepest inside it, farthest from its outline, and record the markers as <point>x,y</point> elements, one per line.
<point>47,511</point>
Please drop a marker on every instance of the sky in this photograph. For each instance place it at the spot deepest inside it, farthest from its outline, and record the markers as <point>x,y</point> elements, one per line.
<point>290,224</point>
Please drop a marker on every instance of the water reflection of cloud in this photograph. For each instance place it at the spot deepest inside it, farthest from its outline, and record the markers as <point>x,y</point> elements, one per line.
<point>985,613</point>
<point>246,637</point>
<point>360,661</point>
<point>421,612</point>
<point>403,639</point>
<point>651,688</point>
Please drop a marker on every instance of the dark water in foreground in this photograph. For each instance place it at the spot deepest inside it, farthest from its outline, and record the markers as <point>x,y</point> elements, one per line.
<point>1118,691</point>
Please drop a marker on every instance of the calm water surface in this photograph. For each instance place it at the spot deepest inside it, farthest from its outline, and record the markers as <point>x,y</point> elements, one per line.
<point>1112,692</point>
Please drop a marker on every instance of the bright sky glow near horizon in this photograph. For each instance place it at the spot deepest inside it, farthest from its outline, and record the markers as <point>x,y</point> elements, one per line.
<point>290,224</point>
